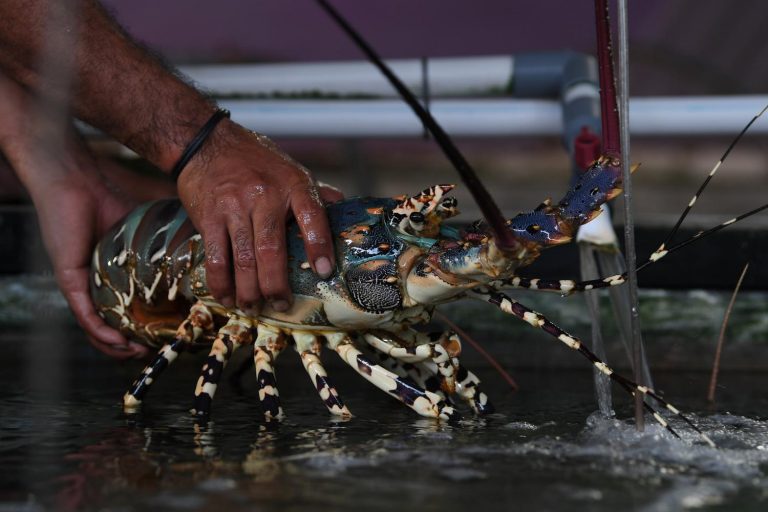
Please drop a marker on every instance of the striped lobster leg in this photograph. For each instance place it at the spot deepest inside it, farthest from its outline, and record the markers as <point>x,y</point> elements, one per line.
<point>308,347</point>
<point>468,388</point>
<point>426,375</point>
<point>423,402</point>
<point>234,334</point>
<point>423,374</point>
<point>512,307</point>
<point>198,323</point>
<point>442,349</point>
<point>270,341</point>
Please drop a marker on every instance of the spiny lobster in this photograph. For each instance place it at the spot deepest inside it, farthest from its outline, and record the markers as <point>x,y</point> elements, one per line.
<point>396,261</point>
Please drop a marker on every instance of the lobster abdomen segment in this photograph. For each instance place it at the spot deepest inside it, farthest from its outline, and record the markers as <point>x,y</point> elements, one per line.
<point>140,271</point>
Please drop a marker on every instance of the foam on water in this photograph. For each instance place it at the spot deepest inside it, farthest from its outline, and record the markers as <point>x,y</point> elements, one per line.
<point>695,475</point>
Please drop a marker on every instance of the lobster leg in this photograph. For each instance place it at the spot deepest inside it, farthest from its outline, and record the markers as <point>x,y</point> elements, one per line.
<point>468,388</point>
<point>269,343</point>
<point>424,374</point>
<point>442,349</point>
<point>199,322</point>
<point>235,333</point>
<point>423,402</point>
<point>512,307</point>
<point>308,347</point>
<point>430,372</point>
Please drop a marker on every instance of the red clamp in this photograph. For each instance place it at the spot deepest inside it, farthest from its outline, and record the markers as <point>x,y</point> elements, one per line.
<point>586,148</point>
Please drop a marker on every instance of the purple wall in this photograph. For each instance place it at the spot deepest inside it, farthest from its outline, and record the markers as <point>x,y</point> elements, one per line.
<point>680,46</point>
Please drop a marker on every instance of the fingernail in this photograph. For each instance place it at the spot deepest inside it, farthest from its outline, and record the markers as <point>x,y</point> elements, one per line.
<point>323,267</point>
<point>280,305</point>
<point>251,309</point>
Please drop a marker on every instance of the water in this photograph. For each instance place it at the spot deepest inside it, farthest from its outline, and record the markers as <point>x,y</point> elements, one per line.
<point>66,445</point>
<point>597,261</point>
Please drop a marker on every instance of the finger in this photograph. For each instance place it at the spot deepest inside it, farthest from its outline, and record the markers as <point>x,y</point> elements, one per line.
<point>74,285</point>
<point>244,259</point>
<point>218,275</point>
<point>329,193</point>
<point>272,258</point>
<point>313,223</point>
<point>132,350</point>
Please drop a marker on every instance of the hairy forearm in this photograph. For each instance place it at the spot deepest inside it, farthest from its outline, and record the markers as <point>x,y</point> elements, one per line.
<point>116,85</point>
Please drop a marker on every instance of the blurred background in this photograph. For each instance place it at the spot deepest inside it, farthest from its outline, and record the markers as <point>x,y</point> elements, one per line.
<point>677,48</point>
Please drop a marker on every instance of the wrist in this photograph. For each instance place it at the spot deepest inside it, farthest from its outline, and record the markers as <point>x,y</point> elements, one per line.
<point>198,142</point>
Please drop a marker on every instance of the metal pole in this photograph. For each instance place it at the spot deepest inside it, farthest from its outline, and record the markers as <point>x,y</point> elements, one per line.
<point>629,232</point>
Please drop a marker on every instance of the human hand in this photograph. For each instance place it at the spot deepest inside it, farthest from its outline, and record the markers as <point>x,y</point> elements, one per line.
<point>239,192</point>
<point>74,205</point>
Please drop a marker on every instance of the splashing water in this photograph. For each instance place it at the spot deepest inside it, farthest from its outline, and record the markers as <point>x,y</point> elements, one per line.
<point>597,261</point>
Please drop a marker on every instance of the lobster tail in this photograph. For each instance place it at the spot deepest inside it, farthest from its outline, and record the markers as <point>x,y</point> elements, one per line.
<point>552,225</point>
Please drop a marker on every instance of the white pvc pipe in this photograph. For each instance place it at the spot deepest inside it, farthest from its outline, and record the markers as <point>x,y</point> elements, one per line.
<point>489,117</point>
<point>446,76</point>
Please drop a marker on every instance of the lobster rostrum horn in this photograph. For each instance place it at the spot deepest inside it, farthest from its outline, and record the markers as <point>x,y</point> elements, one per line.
<point>422,214</point>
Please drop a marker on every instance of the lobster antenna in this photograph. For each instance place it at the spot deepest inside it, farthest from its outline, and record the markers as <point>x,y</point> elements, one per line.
<point>505,240</point>
<point>711,174</point>
<point>661,251</point>
<point>618,279</point>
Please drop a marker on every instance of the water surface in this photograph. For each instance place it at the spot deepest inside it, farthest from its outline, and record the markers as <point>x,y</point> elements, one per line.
<point>65,443</point>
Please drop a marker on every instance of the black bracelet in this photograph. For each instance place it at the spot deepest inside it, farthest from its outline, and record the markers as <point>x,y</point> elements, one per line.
<point>195,144</point>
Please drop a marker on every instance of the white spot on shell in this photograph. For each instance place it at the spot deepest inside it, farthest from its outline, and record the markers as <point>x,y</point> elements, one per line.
<point>117,235</point>
<point>614,280</point>
<point>97,279</point>
<point>122,257</point>
<point>158,255</point>
<point>571,342</point>
<point>603,368</point>
<point>170,355</point>
<point>173,290</point>
<point>532,318</point>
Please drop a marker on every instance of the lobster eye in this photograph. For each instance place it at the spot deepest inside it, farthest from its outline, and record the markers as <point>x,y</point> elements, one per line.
<point>417,217</point>
<point>533,229</point>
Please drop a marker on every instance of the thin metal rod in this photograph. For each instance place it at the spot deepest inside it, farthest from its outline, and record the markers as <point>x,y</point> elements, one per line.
<point>629,225</point>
